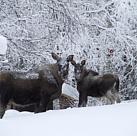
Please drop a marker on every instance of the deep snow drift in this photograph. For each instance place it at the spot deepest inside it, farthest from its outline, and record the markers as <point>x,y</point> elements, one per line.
<point>110,120</point>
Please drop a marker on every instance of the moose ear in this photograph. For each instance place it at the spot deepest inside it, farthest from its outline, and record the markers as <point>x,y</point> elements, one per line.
<point>70,58</point>
<point>73,63</point>
<point>55,56</point>
<point>83,62</point>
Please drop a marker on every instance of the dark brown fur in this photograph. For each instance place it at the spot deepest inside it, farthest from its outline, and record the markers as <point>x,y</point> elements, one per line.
<point>89,83</point>
<point>40,91</point>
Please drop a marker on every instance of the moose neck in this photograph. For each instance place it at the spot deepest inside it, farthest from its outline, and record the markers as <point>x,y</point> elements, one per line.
<point>54,70</point>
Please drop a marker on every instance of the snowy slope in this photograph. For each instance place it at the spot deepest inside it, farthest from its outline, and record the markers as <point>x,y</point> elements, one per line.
<point>110,120</point>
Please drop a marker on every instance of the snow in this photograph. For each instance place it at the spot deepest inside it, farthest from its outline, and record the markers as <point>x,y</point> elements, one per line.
<point>109,120</point>
<point>3,45</point>
<point>70,91</point>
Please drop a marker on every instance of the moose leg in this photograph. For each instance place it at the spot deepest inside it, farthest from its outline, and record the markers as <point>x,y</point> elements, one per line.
<point>2,110</point>
<point>82,100</point>
<point>3,105</point>
<point>37,107</point>
<point>54,99</point>
<point>50,105</point>
<point>44,104</point>
<point>45,99</point>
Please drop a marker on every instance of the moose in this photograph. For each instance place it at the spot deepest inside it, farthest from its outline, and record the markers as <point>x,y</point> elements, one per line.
<point>90,83</point>
<point>40,91</point>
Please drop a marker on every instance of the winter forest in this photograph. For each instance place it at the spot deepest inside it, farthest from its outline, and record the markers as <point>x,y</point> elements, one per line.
<point>104,32</point>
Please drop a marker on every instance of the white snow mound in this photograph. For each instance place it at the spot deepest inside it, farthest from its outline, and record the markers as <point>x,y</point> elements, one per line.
<point>110,120</point>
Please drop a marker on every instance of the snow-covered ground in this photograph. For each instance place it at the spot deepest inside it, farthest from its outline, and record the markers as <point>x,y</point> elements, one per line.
<point>109,120</point>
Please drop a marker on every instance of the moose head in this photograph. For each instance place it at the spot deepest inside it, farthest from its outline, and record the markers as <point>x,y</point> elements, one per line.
<point>63,64</point>
<point>79,69</point>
